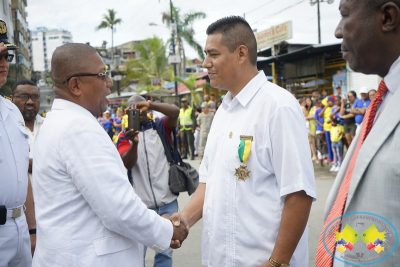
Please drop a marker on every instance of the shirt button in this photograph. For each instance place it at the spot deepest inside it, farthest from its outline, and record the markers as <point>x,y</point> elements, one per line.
<point>17,161</point>
<point>20,180</point>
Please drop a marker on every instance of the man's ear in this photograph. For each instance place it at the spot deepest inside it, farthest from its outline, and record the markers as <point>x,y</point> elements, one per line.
<point>75,86</point>
<point>390,17</point>
<point>242,53</point>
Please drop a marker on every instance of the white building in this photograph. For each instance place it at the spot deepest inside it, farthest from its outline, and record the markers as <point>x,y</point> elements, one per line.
<point>44,42</point>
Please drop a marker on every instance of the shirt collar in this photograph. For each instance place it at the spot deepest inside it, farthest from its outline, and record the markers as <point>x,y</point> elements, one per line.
<point>62,104</point>
<point>39,119</point>
<point>247,93</point>
<point>147,126</point>
<point>392,79</point>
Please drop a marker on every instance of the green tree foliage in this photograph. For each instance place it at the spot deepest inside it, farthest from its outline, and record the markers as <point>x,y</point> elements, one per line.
<point>151,63</point>
<point>190,83</point>
<point>185,32</point>
<point>108,22</point>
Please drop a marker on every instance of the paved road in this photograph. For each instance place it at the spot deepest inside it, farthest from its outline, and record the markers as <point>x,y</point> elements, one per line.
<point>190,253</point>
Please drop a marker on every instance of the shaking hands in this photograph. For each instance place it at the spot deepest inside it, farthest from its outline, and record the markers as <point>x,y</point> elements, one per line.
<point>181,229</point>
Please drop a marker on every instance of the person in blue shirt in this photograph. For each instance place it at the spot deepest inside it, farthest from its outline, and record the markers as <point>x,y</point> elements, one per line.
<point>336,108</point>
<point>360,106</point>
<point>108,124</point>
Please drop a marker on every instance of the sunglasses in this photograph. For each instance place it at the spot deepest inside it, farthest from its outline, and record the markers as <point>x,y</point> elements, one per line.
<point>7,57</point>
<point>104,75</point>
<point>25,97</point>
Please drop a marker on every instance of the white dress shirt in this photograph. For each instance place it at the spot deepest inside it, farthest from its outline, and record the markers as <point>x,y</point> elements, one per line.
<point>241,219</point>
<point>14,156</point>
<point>14,160</point>
<point>87,213</point>
<point>32,136</point>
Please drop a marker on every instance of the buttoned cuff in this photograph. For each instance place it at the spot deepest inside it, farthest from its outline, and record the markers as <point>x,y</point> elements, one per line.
<point>165,236</point>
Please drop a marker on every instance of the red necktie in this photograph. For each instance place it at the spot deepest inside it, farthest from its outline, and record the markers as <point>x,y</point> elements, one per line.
<point>323,258</point>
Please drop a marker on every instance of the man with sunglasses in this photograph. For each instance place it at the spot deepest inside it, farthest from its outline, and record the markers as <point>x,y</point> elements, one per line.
<point>16,203</point>
<point>87,213</point>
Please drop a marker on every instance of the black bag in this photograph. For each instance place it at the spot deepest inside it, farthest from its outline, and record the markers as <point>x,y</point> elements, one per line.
<point>182,176</point>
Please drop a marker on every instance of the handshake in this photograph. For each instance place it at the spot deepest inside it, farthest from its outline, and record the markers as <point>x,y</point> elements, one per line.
<point>181,229</point>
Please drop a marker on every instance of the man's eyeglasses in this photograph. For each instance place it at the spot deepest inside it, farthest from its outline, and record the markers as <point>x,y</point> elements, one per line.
<point>102,74</point>
<point>7,57</point>
<point>25,97</point>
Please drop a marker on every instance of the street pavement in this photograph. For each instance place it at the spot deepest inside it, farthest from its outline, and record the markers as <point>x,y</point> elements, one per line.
<point>190,252</point>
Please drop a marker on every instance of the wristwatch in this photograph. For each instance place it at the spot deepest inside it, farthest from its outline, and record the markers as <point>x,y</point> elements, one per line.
<point>277,264</point>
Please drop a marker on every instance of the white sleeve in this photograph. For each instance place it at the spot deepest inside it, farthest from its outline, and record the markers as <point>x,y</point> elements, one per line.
<point>203,170</point>
<point>95,167</point>
<point>291,155</point>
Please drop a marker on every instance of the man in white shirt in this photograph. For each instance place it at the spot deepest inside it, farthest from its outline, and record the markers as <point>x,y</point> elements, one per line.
<point>16,203</point>
<point>256,179</point>
<point>369,175</point>
<point>25,95</point>
<point>87,213</point>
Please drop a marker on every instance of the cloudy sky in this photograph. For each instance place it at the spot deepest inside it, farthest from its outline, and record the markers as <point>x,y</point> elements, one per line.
<point>80,17</point>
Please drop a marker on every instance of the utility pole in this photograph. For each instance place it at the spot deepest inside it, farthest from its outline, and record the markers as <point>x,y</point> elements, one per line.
<point>313,2</point>
<point>319,23</point>
<point>172,52</point>
<point>16,40</point>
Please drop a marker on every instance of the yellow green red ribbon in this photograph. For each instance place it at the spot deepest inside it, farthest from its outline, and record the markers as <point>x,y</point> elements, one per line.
<point>244,150</point>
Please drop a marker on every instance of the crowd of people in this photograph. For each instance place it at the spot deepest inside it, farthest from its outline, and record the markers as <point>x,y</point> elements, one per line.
<point>256,178</point>
<point>332,122</point>
<point>193,126</point>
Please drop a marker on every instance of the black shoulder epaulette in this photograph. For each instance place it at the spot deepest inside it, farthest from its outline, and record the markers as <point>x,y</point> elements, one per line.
<point>6,97</point>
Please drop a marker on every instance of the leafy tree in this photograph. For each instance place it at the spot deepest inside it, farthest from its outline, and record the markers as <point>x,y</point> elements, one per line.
<point>108,22</point>
<point>190,83</point>
<point>151,63</point>
<point>184,32</point>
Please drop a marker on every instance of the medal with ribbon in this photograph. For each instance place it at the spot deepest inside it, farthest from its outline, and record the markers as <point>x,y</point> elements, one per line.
<point>243,173</point>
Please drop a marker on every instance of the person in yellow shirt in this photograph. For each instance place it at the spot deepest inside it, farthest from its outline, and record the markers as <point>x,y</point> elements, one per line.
<point>337,132</point>
<point>311,126</point>
<point>325,113</point>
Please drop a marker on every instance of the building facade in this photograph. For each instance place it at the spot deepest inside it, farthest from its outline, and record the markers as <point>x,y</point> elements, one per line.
<point>44,42</point>
<point>23,61</point>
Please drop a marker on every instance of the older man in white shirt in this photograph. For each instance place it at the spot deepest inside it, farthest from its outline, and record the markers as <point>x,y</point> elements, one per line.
<point>256,179</point>
<point>87,213</point>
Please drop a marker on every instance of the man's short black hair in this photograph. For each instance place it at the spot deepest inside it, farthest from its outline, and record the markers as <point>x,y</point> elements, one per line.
<point>23,82</point>
<point>315,90</point>
<point>235,31</point>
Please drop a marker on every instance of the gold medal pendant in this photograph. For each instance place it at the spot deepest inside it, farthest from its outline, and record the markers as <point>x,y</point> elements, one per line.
<point>242,173</point>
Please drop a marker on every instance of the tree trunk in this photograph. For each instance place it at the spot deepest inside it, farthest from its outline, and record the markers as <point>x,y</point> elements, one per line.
<point>183,60</point>
<point>112,45</point>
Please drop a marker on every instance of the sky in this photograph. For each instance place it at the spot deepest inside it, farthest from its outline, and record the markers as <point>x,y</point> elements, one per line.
<point>81,17</point>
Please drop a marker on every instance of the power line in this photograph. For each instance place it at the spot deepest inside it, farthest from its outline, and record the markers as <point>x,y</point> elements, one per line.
<point>280,11</point>
<point>259,7</point>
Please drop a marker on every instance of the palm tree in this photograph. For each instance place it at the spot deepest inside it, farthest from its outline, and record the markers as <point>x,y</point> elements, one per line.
<point>109,20</point>
<point>184,28</point>
<point>151,63</point>
<point>190,83</point>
